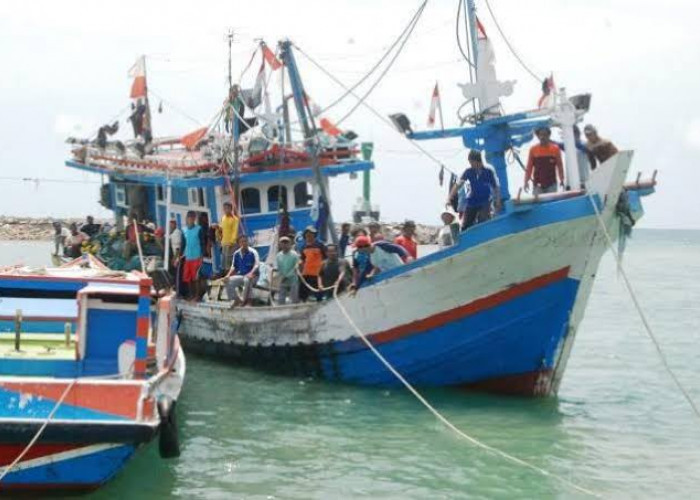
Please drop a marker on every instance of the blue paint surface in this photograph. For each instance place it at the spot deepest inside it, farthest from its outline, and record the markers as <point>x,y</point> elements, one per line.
<point>88,470</point>
<point>12,405</point>
<point>519,336</point>
<point>504,225</point>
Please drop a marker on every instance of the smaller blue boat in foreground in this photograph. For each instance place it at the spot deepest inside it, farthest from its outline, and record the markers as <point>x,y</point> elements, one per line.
<point>90,371</point>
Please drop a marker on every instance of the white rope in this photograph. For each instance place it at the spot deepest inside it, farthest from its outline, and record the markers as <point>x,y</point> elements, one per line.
<point>38,434</point>
<point>640,310</point>
<point>48,419</point>
<point>444,419</point>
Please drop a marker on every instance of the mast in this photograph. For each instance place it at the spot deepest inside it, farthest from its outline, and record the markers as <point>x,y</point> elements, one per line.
<point>310,132</point>
<point>470,13</point>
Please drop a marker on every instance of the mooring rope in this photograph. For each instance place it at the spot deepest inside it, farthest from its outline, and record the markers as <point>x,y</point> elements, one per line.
<point>476,442</point>
<point>38,434</point>
<point>640,310</point>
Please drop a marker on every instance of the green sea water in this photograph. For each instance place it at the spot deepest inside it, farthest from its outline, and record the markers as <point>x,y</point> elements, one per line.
<point>618,427</point>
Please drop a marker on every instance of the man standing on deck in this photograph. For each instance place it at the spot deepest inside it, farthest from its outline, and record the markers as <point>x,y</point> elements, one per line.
<point>344,239</point>
<point>312,255</point>
<point>599,149</point>
<point>229,233</point>
<point>193,256</point>
<point>483,189</point>
<point>544,164</point>
<point>286,263</point>
<point>334,271</point>
<point>406,240</point>
<point>243,272</point>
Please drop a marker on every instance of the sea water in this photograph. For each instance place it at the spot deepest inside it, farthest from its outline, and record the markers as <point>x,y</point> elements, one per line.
<point>619,426</point>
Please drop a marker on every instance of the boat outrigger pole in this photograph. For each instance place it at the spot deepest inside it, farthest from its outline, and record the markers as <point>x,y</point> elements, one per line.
<point>306,119</point>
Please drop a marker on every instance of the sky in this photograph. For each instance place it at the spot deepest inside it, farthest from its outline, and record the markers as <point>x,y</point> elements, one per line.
<point>66,62</point>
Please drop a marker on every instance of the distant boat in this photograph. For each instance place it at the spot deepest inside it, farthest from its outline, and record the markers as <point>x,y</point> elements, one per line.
<point>497,311</point>
<point>90,370</point>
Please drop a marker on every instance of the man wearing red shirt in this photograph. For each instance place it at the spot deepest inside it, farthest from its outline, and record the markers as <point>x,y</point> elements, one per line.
<point>406,239</point>
<point>544,165</point>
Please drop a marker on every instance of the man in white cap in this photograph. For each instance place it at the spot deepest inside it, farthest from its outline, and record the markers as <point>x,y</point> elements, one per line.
<point>449,233</point>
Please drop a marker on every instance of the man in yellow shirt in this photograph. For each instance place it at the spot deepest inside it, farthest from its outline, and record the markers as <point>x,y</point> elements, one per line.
<point>229,233</point>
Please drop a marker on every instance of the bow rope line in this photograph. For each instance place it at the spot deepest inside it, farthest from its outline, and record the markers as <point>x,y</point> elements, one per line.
<point>640,311</point>
<point>412,26</point>
<point>409,27</point>
<point>474,441</point>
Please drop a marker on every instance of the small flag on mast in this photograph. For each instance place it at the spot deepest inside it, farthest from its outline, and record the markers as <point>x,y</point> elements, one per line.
<point>480,31</point>
<point>435,105</point>
<point>271,58</point>
<point>547,88</point>
<point>138,73</point>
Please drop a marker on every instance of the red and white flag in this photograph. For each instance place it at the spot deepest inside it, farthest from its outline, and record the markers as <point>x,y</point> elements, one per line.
<point>435,105</point>
<point>271,58</point>
<point>138,73</point>
<point>480,31</point>
<point>547,89</point>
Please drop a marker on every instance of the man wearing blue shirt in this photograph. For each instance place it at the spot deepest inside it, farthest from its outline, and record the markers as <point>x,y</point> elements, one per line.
<point>243,273</point>
<point>483,189</point>
<point>193,256</point>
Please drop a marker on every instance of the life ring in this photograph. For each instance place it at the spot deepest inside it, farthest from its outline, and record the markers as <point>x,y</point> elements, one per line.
<point>168,442</point>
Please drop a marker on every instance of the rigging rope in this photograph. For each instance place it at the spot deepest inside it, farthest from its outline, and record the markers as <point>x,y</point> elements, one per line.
<point>379,62</point>
<point>376,113</point>
<point>412,26</point>
<point>640,311</point>
<point>510,47</point>
<point>459,42</point>
<point>474,441</point>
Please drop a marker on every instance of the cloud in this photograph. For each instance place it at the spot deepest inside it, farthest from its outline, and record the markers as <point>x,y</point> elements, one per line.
<point>66,125</point>
<point>692,134</point>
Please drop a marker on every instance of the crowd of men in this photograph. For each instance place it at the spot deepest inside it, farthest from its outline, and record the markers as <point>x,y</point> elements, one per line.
<point>68,241</point>
<point>476,194</point>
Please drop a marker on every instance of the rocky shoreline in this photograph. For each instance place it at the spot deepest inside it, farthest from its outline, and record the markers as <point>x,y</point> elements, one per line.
<point>40,229</point>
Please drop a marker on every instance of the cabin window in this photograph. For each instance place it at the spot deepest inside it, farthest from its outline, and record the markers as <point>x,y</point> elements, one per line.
<point>160,193</point>
<point>197,197</point>
<point>276,198</point>
<point>121,196</point>
<point>179,196</point>
<point>302,195</point>
<point>250,201</point>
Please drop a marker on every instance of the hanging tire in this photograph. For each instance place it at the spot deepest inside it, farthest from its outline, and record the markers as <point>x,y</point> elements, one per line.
<point>168,442</point>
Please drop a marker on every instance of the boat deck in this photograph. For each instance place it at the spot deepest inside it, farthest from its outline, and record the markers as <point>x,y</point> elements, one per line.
<point>37,346</point>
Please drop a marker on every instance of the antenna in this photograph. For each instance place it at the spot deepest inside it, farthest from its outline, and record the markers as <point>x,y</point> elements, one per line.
<point>230,37</point>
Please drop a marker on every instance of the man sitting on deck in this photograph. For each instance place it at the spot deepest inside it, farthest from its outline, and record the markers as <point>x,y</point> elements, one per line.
<point>90,228</point>
<point>544,164</point>
<point>483,188</point>
<point>74,242</point>
<point>243,272</point>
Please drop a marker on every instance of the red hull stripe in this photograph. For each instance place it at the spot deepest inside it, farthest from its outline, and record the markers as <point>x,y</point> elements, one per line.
<point>119,400</point>
<point>478,305</point>
<point>9,452</point>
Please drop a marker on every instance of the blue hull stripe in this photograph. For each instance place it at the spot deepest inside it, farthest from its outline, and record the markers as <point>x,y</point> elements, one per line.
<point>82,472</point>
<point>519,336</point>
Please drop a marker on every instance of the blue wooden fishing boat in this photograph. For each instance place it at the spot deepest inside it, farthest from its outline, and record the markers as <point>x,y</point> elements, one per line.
<point>498,310</point>
<point>90,370</point>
